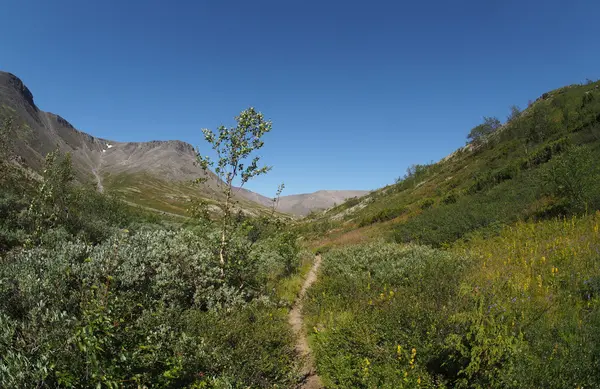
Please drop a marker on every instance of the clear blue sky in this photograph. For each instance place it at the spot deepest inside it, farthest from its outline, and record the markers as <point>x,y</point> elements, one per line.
<point>357,91</point>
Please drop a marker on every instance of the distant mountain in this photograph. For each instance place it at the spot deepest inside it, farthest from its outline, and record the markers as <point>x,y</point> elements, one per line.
<point>303,204</point>
<point>154,174</point>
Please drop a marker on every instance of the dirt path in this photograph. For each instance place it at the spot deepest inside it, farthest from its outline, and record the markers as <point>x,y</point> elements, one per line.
<point>98,181</point>
<point>310,378</point>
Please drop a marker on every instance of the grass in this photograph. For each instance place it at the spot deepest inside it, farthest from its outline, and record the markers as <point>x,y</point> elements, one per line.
<point>511,311</point>
<point>287,289</point>
<point>171,197</point>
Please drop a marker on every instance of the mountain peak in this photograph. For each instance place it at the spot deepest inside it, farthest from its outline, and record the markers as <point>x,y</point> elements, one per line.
<point>177,145</point>
<point>9,80</point>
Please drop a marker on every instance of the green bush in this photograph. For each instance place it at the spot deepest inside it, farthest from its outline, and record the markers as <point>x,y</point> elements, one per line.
<point>503,204</point>
<point>477,316</point>
<point>450,198</point>
<point>373,305</point>
<point>426,204</point>
<point>382,216</point>
<point>574,178</point>
<point>544,153</point>
<point>138,309</point>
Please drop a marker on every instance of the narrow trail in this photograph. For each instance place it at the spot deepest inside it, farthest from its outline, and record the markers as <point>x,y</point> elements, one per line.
<point>310,378</point>
<point>97,175</point>
<point>98,180</point>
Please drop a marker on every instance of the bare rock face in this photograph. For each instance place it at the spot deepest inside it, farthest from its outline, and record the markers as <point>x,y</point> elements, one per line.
<point>168,160</point>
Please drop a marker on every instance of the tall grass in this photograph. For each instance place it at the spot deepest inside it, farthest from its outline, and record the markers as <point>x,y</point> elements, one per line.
<point>519,310</point>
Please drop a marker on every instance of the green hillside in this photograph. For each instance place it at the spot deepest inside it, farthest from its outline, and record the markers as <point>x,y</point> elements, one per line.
<point>479,271</point>
<point>541,163</point>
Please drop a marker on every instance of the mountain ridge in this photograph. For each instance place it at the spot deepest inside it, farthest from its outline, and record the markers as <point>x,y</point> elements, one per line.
<point>156,173</point>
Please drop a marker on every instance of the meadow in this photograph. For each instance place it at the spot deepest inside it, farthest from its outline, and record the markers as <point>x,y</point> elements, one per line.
<point>518,310</point>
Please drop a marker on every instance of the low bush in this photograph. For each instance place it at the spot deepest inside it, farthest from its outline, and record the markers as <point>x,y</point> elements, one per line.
<point>426,204</point>
<point>144,308</point>
<point>517,310</point>
<point>382,216</point>
<point>441,225</point>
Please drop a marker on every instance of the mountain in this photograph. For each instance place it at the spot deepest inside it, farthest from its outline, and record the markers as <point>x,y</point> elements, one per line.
<point>303,204</point>
<point>154,174</point>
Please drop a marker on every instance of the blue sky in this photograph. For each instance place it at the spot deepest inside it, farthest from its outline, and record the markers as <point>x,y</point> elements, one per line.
<point>357,91</point>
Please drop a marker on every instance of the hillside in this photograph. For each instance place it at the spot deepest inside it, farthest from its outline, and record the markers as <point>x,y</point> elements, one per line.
<point>478,271</point>
<point>526,168</point>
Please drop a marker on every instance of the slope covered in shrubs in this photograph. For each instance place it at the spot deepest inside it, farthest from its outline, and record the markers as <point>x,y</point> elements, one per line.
<point>541,163</point>
<point>519,310</point>
<point>94,293</point>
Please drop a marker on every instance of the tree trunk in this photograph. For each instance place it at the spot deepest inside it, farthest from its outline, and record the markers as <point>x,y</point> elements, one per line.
<point>224,231</point>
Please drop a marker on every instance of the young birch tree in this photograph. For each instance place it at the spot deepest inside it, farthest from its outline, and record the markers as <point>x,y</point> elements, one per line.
<point>235,163</point>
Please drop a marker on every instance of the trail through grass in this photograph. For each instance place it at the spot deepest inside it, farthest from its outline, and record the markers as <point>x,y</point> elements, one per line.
<point>310,379</point>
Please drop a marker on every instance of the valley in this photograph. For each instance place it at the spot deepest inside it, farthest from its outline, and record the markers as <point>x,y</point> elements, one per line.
<point>118,270</point>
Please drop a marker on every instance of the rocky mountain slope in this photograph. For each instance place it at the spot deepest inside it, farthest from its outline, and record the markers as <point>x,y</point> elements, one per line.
<point>303,204</point>
<point>154,174</point>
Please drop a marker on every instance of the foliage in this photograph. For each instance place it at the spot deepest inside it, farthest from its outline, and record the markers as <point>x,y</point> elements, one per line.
<point>96,293</point>
<point>515,113</point>
<point>414,173</point>
<point>50,207</point>
<point>382,216</point>
<point>477,190</point>
<point>446,223</point>
<point>426,203</point>
<point>574,178</point>
<point>138,309</point>
<point>233,147</point>
<point>518,310</point>
<point>479,133</point>
<point>351,202</point>
<point>375,314</point>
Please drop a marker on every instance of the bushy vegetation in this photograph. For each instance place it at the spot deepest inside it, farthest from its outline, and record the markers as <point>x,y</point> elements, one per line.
<point>502,175</point>
<point>96,293</point>
<point>571,184</point>
<point>520,310</point>
<point>144,308</point>
<point>492,279</point>
<point>32,211</point>
<point>382,216</point>
<point>494,282</point>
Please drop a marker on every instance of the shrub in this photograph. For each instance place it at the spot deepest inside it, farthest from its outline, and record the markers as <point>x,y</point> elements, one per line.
<point>450,198</point>
<point>382,216</point>
<point>503,204</point>
<point>575,179</point>
<point>544,153</point>
<point>426,204</point>
<point>476,316</point>
<point>140,308</point>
